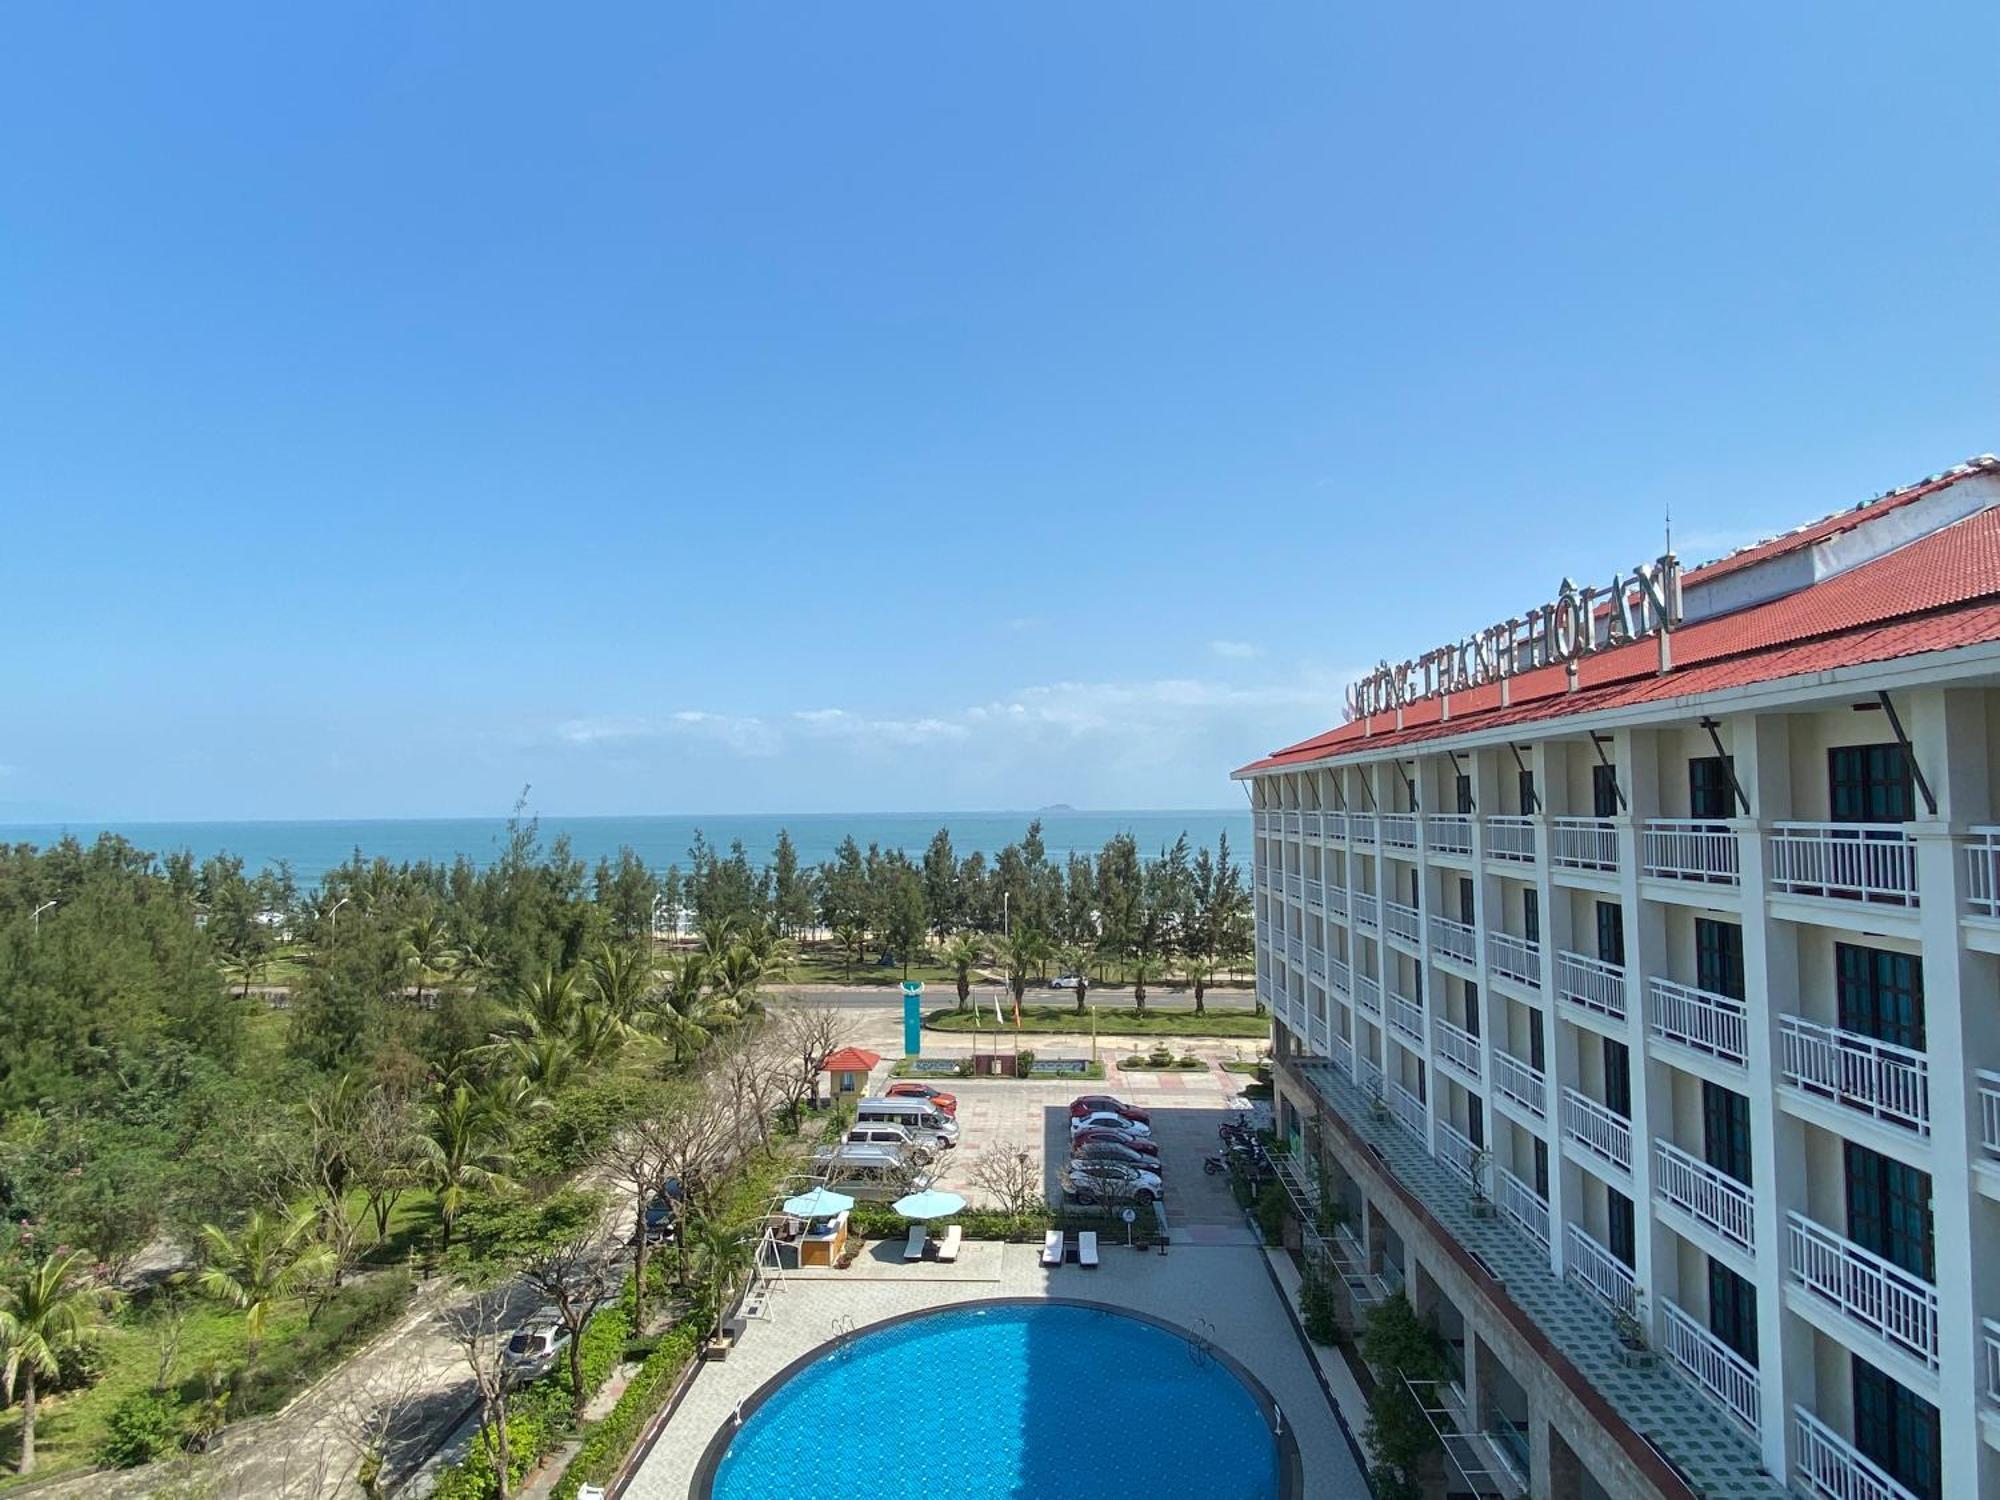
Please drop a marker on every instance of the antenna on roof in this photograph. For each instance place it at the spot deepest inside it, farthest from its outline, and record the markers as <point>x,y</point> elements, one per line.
<point>1670,528</point>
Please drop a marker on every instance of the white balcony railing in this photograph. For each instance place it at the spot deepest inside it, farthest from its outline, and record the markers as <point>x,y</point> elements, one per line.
<point>1875,1078</point>
<point>1855,861</point>
<point>1597,1129</point>
<point>1451,833</point>
<point>1409,1111</point>
<point>1598,1271</point>
<point>1364,908</point>
<point>1368,1073</point>
<point>1336,901</point>
<point>1455,939</point>
<point>1520,1082</point>
<point>1292,824</point>
<point>1260,822</point>
<point>1407,1018</point>
<point>1526,1209</point>
<point>1690,849</point>
<point>1295,885</point>
<point>1332,826</point>
<point>1831,1468</point>
<point>1591,983</point>
<point>1361,829</point>
<point>1989,1111</point>
<point>1343,1055</point>
<point>1368,993</point>
<point>1990,1347</point>
<point>1700,1020</point>
<point>1583,844</point>
<point>1456,1151</point>
<point>1309,824</point>
<point>1295,949</point>
<point>1875,1293</point>
<point>1315,894</point>
<point>1706,1194</point>
<point>1514,958</point>
<point>1399,830</point>
<point>1713,1366</point>
<point>1403,921</point>
<point>1457,1046</point>
<point>1339,976</point>
<point>1982,871</point>
<point>1510,838</point>
<point>1316,965</point>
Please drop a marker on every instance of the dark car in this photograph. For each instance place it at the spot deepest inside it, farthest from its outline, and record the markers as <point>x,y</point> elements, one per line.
<point>1112,1151</point>
<point>907,1089</point>
<point>1112,1135</point>
<point>1092,1104</point>
<point>660,1222</point>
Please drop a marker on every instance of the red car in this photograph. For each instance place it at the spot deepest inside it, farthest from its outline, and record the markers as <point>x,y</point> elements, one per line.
<point>1091,1104</point>
<point>1138,1143</point>
<point>907,1090</point>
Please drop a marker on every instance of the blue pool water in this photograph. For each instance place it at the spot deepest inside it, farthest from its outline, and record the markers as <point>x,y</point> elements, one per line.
<point>1041,1401</point>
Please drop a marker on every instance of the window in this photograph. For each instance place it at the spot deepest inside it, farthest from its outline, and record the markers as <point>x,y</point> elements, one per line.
<point>1732,1310</point>
<point>1624,1241</point>
<point>1618,1078</point>
<point>1526,784</point>
<point>1725,1131</point>
<point>1868,784</point>
<point>1472,1007</point>
<point>1536,1056</point>
<point>1464,792</point>
<point>1611,932</point>
<point>1422,1097</point>
<point>1881,994</point>
<point>1897,1429</point>
<point>1465,901</point>
<point>1604,791</point>
<point>1718,957</point>
<point>1541,1166</point>
<point>1475,1121</point>
<point>1889,1210</point>
<point>1531,916</point>
<point>1710,793</point>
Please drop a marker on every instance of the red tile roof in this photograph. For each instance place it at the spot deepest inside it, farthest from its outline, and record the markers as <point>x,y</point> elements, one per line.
<point>1940,591</point>
<point>850,1060</point>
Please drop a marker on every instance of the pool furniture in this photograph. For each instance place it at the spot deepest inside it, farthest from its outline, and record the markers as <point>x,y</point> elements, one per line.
<point>948,1246</point>
<point>823,1242</point>
<point>1086,1248</point>
<point>1052,1248</point>
<point>919,1241</point>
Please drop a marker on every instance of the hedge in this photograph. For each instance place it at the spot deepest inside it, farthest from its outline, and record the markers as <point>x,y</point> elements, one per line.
<point>880,1221</point>
<point>606,1445</point>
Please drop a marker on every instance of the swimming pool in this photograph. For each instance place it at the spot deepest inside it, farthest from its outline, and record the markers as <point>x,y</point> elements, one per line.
<point>1007,1400</point>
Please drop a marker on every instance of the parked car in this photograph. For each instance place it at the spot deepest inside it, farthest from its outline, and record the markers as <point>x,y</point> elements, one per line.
<point>1109,1182</point>
<point>918,1145</point>
<point>1065,982</point>
<point>531,1352</point>
<point>1113,1151</point>
<point>660,1223</point>
<point>1107,1121</point>
<point>1144,1145</point>
<point>1105,1104</point>
<point>910,1089</point>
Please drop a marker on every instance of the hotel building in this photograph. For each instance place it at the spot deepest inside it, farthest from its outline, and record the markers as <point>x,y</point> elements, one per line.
<point>1635,971</point>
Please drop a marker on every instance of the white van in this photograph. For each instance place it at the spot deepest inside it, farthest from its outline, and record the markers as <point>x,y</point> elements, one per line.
<point>911,1114</point>
<point>877,1173</point>
<point>918,1145</point>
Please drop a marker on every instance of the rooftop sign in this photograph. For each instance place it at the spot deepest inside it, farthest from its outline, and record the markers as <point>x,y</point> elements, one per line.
<point>1643,602</point>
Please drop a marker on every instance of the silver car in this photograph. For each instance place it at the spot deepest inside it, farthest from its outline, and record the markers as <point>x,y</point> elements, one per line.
<point>1111,1182</point>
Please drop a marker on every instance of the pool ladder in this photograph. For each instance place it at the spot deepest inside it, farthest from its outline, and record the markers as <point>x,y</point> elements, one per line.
<point>840,1332</point>
<point>1201,1342</point>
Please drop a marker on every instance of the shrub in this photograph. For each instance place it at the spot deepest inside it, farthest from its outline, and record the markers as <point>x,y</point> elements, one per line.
<point>605,1446</point>
<point>141,1427</point>
<point>1316,1309</point>
<point>1271,1209</point>
<point>348,1318</point>
<point>1399,1436</point>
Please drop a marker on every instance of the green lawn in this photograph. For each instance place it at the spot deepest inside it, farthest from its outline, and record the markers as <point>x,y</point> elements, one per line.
<point>1154,1021</point>
<point>820,967</point>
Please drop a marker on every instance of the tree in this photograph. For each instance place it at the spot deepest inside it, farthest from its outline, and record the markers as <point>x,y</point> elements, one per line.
<point>46,1306</point>
<point>618,979</point>
<point>685,1012</point>
<point>1200,971</point>
<point>273,1259</point>
<point>466,1144</point>
<point>636,1159</point>
<point>718,1253</point>
<point>427,947</point>
<point>1012,1180</point>
<point>941,884</point>
<point>791,889</point>
<point>1075,960</point>
<point>1143,969</point>
<point>1400,1347</point>
<point>480,1327</point>
<point>807,1035</point>
<point>905,922</point>
<point>961,954</point>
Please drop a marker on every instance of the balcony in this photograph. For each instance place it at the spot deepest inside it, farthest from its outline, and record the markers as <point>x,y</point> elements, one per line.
<point>1584,844</point>
<point>1368,993</point>
<point>1989,1111</point>
<point>1872,1293</point>
<point>1874,862</point>
<point>1523,1207</point>
<point>1403,922</point>
<point>1598,1271</point>
<point>1409,1112</point>
<point>1292,824</point>
<point>1510,838</point>
<point>1295,885</point>
<point>1361,829</point>
<point>1515,958</point>
<point>1690,849</point>
<point>1591,983</point>
<point>1336,901</point>
<point>1451,833</point>
<point>1831,1468</point>
<point>1516,1080</point>
<point>1707,1195</point>
<point>1990,1346</point>
<point>1407,1018</point>
<point>1368,1073</point>
<point>1878,1079</point>
<point>1982,871</point>
<point>1456,1151</point>
<point>1713,1366</point>
<point>1340,976</point>
<point>1700,1020</point>
<point>1309,824</point>
<point>1399,830</point>
<point>1332,826</point>
<point>1365,911</point>
<point>1598,1130</point>
<point>1455,940</point>
<point>1343,1055</point>
<point>1263,822</point>
<point>1459,1047</point>
<point>1315,895</point>
<point>1316,965</point>
<point>1295,949</point>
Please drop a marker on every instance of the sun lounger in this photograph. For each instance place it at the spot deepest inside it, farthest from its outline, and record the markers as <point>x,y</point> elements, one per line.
<point>948,1245</point>
<point>1052,1248</point>
<point>1086,1247</point>
<point>919,1240</point>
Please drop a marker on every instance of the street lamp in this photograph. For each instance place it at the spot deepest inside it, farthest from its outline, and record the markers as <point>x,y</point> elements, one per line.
<point>37,917</point>
<point>333,912</point>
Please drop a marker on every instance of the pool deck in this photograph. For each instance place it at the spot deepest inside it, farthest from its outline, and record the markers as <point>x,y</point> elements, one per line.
<point>1223,1292</point>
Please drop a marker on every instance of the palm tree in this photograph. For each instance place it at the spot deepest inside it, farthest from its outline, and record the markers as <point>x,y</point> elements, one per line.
<point>596,1032</point>
<point>544,1061</point>
<point>739,978</point>
<point>244,965</point>
<point>1143,969</point>
<point>270,1260</point>
<point>961,955</point>
<point>717,1253</point>
<point>1075,959</point>
<point>426,948</point>
<point>466,1145</point>
<point>618,979</point>
<point>45,1309</point>
<point>684,1011</point>
<point>550,1001</point>
<point>1200,971</point>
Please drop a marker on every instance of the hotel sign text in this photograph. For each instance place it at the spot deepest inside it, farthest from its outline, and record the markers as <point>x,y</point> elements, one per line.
<point>1644,602</point>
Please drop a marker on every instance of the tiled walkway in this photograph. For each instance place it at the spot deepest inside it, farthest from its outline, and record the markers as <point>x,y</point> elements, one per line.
<point>1694,1434</point>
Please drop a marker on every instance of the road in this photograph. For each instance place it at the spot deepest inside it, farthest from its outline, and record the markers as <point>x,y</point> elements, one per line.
<point>863,996</point>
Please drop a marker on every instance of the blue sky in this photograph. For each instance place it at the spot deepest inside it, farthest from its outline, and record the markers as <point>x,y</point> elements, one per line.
<point>763,407</point>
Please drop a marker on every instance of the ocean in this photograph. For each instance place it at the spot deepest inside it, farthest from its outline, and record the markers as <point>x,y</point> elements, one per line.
<point>313,848</point>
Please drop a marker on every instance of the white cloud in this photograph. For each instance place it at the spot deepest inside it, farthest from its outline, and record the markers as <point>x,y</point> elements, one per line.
<point>1235,650</point>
